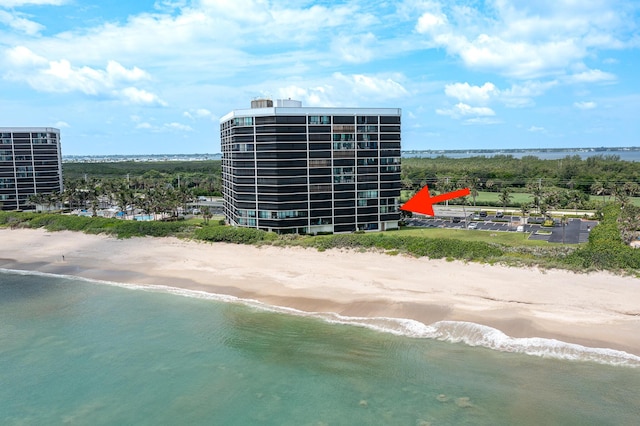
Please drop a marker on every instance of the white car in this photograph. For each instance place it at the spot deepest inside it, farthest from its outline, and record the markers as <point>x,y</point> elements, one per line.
<point>473,225</point>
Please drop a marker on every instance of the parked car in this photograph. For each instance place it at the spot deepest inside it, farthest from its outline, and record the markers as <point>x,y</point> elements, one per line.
<point>473,225</point>
<point>483,214</point>
<point>499,214</point>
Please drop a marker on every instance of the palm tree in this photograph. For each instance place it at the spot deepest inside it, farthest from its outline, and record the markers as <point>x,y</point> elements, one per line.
<point>544,209</point>
<point>70,193</point>
<point>124,197</point>
<point>598,188</point>
<point>552,198</point>
<point>621,195</point>
<point>524,209</point>
<point>535,188</point>
<point>53,198</point>
<point>472,183</point>
<point>92,194</point>
<point>575,200</point>
<point>206,214</point>
<point>505,197</point>
<point>37,199</point>
<point>443,185</point>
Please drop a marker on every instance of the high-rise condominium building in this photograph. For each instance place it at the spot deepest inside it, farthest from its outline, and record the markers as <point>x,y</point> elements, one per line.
<point>30,163</point>
<point>293,169</point>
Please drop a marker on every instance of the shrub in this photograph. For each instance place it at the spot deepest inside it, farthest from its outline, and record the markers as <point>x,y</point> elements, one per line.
<point>435,248</point>
<point>96,225</point>
<point>606,249</point>
<point>231,234</point>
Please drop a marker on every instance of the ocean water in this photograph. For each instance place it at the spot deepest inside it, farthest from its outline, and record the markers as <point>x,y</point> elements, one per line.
<point>80,352</point>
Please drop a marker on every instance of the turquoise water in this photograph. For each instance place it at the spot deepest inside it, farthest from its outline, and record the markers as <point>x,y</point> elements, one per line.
<point>78,352</point>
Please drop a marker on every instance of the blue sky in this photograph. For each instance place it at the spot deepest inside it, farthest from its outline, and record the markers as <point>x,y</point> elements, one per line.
<point>154,77</point>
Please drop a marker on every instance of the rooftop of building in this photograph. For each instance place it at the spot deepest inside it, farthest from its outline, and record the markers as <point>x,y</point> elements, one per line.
<point>28,129</point>
<point>265,107</point>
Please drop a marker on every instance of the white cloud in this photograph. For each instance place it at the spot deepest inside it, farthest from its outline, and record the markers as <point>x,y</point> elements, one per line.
<point>381,87</point>
<point>178,127</point>
<point>218,54</point>
<point>118,72</point>
<point>527,39</point>
<point>585,105</point>
<point>194,114</point>
<point>17,22</point>
<point>481,120</point>
<point>61,124</point>
<point>21,56</point>
<point>20,3</point>
<point>429,22</point>
<point>517,96</point>
<point>474,94</point>
<point>591,76</point>
<point>343,90</point>
<point>356,49</point>
<point>62,77</point>
<point>461,110</point>
<point>202,112</point>
<point>142,97</point>
<point>168,5</point>
<point>536,129</point>
<point>522,95</point>
<point>173,126</point>
<point>319,96</point>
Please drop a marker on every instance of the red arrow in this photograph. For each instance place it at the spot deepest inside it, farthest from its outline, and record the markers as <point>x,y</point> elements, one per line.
<point>423,202</point>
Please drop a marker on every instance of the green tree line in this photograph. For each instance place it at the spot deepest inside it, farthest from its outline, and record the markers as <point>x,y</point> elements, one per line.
<point>570,182</point>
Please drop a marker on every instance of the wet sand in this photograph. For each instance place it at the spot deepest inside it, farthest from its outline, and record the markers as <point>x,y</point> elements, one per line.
<point>595,309</point>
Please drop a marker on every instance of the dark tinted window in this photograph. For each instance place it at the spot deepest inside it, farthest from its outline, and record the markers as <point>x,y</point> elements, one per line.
<point>300,119</point>
<point>394,119</point>
<point>343,119</point>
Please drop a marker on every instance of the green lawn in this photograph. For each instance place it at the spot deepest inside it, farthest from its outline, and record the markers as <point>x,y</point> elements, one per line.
<point>506,238</point>
<point>517,198</point>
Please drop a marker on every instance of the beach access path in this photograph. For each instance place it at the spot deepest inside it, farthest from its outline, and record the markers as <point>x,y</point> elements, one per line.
<point>596,309</point>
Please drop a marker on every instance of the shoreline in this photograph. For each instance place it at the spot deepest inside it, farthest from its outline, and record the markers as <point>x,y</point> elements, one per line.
<point>595,310</point>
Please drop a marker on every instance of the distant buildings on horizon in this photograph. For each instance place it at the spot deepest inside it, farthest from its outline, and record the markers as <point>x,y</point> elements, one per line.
<point>106,158</point>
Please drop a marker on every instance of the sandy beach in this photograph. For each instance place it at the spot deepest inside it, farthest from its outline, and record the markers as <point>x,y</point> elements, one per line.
<point>595,310</point>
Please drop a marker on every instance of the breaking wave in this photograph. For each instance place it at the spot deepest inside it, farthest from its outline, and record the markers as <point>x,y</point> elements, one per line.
<point>468,333</point>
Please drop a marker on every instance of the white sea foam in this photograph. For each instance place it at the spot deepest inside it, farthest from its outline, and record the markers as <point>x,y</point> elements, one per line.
<point>469,333</point>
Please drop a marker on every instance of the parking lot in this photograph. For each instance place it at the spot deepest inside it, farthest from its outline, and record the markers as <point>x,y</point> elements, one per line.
<point>573,232</point>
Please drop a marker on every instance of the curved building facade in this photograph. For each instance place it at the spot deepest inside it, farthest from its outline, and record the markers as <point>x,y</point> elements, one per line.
<point>293,169</point>
<point>30,163</point>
